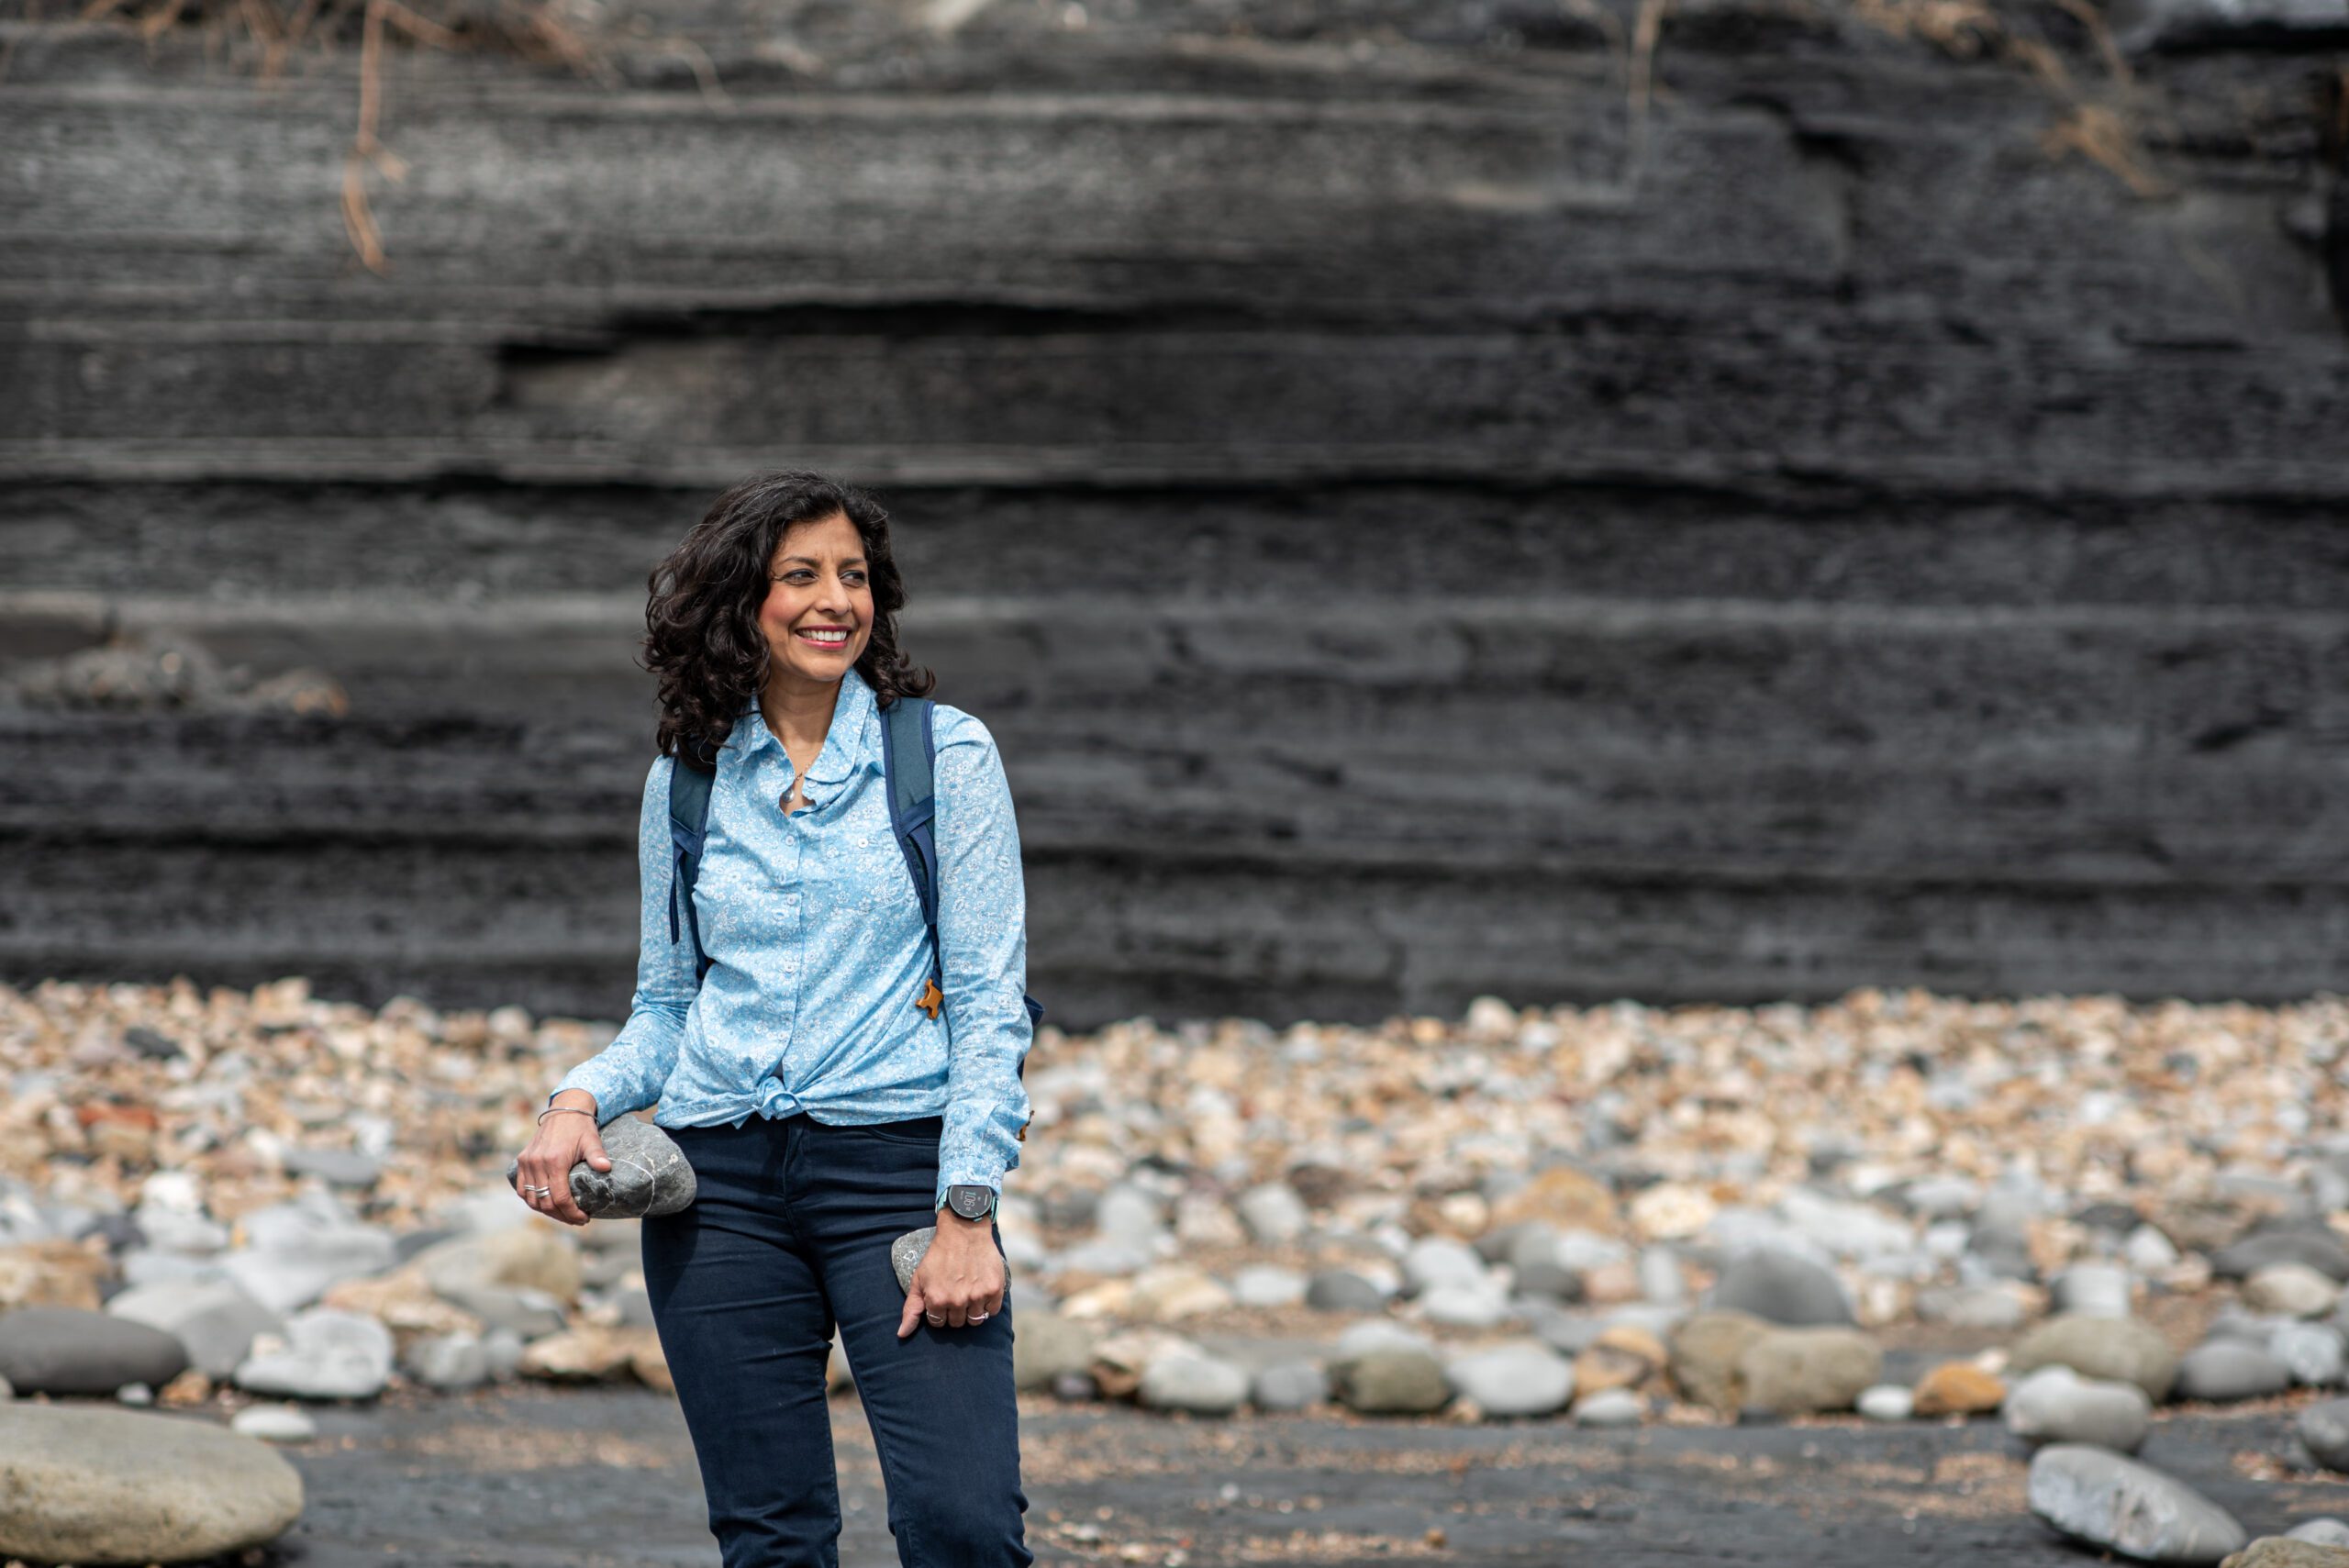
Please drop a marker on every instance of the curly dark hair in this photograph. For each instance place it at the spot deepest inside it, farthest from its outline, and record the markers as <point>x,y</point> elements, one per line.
<point>702,636</point>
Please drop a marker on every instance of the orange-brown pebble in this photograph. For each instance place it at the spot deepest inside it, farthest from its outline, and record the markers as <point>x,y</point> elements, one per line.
<point>1561,1196</point>
<point>1609,1366</point>
<point>1958,1388</point>
<point>190,1387</point>
<point>1637,1340</point>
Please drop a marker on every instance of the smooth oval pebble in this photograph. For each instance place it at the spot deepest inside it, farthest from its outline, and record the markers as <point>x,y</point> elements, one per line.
<point>70,1351</point>
<point>1611,1408</point>
<point>1198,1383</point>
<point>1513,1380</point>
<point>2057,1404</point>
<point>1289,1385</point>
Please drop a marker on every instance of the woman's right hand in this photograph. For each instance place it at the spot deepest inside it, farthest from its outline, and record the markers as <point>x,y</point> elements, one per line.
<point>563,1140</point>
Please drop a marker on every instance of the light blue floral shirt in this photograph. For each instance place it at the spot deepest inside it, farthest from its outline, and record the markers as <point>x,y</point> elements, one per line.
<point>818,951</point>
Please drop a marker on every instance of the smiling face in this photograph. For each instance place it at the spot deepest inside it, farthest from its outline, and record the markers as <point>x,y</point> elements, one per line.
<point>819,611</point>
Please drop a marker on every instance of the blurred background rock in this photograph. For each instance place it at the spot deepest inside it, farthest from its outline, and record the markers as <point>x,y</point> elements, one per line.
<point>1725,499</point>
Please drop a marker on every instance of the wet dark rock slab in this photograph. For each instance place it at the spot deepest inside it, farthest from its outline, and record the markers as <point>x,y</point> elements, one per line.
<point>1415,528</point>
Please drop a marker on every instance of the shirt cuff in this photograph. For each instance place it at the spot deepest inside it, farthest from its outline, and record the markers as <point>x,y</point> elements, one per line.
<point>585,1076</point>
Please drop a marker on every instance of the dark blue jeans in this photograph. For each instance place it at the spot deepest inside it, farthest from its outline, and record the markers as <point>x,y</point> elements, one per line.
<point>789,1233</point>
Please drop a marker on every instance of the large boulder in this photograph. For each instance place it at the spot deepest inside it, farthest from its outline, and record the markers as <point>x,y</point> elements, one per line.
<point>101,1486</point>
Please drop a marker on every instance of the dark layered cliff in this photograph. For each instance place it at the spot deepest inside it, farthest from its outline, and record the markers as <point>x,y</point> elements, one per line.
<point>1420,516</point>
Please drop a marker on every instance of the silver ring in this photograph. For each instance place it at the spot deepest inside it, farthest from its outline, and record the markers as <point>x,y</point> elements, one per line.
<point>935,1317</point>
<point>977,1317</point>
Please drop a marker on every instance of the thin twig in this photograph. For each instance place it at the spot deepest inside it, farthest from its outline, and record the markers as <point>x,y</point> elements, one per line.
<point>2098,134</point>
<point>1600,17</point>
<point>2089,17</point>
<point>705,69</point>
<point>421,29</point>
<point>154,23</point>
<point>1646,29</point>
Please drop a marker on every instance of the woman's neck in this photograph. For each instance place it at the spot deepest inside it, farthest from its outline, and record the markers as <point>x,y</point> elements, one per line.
<point>799,714</point>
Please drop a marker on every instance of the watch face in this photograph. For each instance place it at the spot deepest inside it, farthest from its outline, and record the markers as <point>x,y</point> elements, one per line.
<point>970,1203</point>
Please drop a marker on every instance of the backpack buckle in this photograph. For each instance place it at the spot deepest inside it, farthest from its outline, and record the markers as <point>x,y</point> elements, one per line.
<point>932,997</point>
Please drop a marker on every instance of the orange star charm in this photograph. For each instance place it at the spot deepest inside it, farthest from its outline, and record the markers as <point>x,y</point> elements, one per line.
<point>932,997</point>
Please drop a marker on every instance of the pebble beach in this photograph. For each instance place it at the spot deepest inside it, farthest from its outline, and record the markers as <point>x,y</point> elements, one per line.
<point>227,1215</point>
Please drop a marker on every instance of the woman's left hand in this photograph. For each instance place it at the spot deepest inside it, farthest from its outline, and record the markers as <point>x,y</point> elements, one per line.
<point>960,1279</point>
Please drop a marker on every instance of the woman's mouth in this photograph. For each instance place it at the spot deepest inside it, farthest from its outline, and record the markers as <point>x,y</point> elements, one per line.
<point>832,639</point>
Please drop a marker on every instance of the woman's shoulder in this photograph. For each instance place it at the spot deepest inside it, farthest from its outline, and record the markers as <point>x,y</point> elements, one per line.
<point>951,725</point>
<point>656,787</point>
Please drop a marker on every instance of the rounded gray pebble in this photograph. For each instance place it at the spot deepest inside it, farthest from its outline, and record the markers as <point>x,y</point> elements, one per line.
<point>1342,1290</point>
<point>1611,1408</point>
<point>1290,1385</point>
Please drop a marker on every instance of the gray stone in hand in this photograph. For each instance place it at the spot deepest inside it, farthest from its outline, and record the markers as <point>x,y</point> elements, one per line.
<point>650,1174</point>
<point>906,1254</point>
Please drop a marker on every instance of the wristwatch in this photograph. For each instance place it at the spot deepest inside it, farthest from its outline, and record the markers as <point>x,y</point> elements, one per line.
<point>970,1200</point>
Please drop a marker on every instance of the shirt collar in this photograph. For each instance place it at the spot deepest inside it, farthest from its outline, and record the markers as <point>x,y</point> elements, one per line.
<point>851,741</point>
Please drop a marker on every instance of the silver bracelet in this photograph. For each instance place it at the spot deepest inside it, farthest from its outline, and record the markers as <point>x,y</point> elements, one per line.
<point>581,1110</point>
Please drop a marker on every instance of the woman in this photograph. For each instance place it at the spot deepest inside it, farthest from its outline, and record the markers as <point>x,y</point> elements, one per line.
<point>825,1098</point>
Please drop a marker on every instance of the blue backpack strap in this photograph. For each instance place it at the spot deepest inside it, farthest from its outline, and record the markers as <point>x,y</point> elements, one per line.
<point>688,827</point>
<point>909,770</point>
